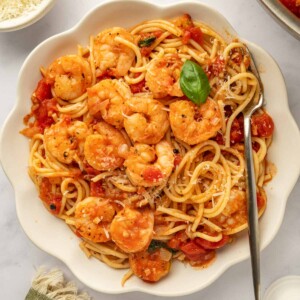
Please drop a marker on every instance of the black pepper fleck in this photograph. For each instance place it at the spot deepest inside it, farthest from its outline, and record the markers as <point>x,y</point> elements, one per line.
<point>52,206</point>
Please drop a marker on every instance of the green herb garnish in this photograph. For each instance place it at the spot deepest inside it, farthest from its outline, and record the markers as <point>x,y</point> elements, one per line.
<point>155,244</point>
<point>194,82</point>
<point>147,41</point>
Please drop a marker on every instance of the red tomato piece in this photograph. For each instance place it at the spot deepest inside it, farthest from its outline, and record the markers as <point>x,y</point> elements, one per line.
<point>255,146</point>
<point>190,31</point>
<point>152,174</point>
<point>107,74</point>
<point>96,189</point>
<point>90,170</point>
<point>238,56</point>
<point>262,125</point>
<point>177,160</point>
<point>219,139</point>
<point>52,200</point>
<point>237,130</point>
<point>212,245</point>
<point>43,90</point>
<point>43,113</point>
<point>193,251</point>
<point>260,201</point>
<point>216,67</point>
<point>138,87</point>
<point>179,239</point>
<point>196,35</point>
<point>186,37</point>
<point>145,51</point>
<point>174,243</point>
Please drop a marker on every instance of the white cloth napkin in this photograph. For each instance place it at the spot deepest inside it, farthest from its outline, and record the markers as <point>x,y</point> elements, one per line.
<point>52,286</point>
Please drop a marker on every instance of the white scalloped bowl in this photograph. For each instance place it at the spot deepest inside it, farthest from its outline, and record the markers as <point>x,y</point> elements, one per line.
<point>54,237</point>
<point>27,18</point>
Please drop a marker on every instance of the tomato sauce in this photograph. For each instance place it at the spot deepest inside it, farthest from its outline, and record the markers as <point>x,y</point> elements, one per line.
<point>96,189</point>
<point>152,174</point>
<point>44,105</point>
<point>212,245</point>
<point>53,201</point>
<point>262,125</point>
<point>43,90</point>
<point>138,87</point>
<point>190,31</point>
<point>43,113</point>
<point>216,67</point>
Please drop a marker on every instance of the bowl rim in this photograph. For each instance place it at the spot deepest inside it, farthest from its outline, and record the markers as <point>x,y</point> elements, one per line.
<point>282,16</point>
<point>5,165</point>
<point>28,19</point>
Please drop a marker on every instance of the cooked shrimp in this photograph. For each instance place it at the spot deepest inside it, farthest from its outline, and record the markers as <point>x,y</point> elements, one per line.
<point>149,165</point>
<point>146,120</point>
<point>93,217</point>
<point>233,219</point>
<point>107,98</point>
<point>162,77</point>
<point>112,57</point>
<point>151,267</point>
<point>70,76</point>
<point>101,148</point>
<point>194,124</point>
<point>235,213</point>
<point>65,139</point>
<point>132,229</point>
<point>236,202</point>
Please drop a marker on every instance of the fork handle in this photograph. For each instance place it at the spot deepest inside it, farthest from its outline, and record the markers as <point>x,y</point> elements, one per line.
<point>253,229</point>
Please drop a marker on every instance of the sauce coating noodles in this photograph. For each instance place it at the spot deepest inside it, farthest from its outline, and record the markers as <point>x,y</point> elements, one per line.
<point>138,171</point>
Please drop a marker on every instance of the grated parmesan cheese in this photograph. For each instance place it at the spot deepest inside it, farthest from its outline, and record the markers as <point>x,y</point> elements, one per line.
<point>11,9</point>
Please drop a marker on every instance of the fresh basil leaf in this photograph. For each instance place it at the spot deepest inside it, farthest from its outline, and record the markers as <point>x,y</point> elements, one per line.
<point>194,82</point>
<point>147,41</point>
<point>156,244</point>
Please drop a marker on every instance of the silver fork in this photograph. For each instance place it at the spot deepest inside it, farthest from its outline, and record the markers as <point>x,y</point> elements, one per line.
<point>253,229</point>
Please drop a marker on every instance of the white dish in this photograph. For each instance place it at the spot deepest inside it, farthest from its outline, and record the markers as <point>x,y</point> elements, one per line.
<point>287,287</point>
<point>283,16</point>
<point>54,237</point>
<point>27,18</point>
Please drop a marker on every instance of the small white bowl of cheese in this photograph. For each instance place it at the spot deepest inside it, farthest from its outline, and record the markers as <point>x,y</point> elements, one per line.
<point>17,14</point>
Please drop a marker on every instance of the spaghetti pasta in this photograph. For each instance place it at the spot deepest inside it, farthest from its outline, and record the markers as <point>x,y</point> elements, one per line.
<point>138,171</point>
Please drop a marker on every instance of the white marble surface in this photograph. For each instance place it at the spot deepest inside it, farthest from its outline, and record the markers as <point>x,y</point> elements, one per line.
<point>19,257</point>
